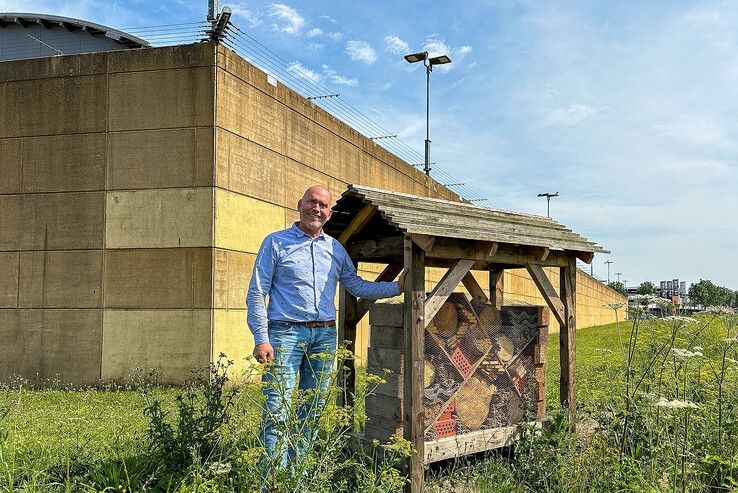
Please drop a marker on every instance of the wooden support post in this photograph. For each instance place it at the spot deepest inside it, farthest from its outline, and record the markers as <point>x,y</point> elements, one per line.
<point>497,287</point>
<point>357,224</point>
<point>347,305</point>
<point>567,339</point>
<point>547,290</point>
<point>414,354</point>
<point>444,288</point>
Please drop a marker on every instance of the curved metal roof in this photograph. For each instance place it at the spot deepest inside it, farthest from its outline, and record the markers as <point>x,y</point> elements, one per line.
<point>69,24</point>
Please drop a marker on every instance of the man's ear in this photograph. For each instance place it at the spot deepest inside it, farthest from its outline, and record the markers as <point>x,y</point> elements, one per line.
<point>299,203</point>
<point>330,213</point>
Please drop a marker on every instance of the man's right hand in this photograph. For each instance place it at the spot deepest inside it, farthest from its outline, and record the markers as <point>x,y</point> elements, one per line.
<point>264,352</point>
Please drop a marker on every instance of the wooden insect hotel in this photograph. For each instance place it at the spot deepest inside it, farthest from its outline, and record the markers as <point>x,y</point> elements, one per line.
<point>466,368</point>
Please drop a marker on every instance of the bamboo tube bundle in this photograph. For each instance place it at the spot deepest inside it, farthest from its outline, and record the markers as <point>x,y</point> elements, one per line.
<point>490,368</point>
<point>473,401</point>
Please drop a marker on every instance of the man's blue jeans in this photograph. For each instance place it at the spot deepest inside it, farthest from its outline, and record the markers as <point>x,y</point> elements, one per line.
<point>307,353</point>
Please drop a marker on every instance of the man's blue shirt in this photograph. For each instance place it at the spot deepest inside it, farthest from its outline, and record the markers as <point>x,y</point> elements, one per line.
<point>300,275</point>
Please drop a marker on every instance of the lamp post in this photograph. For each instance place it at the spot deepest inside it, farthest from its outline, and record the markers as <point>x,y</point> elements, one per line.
<point>428,62</point>
<point>608,262</point>
<point>548,196</point>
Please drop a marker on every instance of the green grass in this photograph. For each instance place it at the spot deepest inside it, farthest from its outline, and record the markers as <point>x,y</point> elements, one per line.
<point>56,437</point>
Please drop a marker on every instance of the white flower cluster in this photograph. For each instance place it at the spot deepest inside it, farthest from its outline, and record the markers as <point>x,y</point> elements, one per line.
<point>614,306</point>
<point>644,299</point>
<point>686,353</point>
<point>603,351</point>
<point>720,310</point>
<point>731,340</point>
<point>675,404</point>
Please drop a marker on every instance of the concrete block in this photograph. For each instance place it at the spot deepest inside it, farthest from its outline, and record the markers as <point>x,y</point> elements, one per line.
<point>159,218</point>
<point>51,67</point>
<point>232,276</point>
<point>161,159</point>
<point>244,167</point>
<point>64,163</point>
<point>68,105</point>
<point>65,279</point>
<point>232,337</point>
<point>9,278</point>
<point>301,177</point>
<point>174,342</point>
<point>182,56</point>
<point>158,278</point>
<point>161,99</point>
<point>53,221</point>
<point>241,222</point>
<point>51,345</point>
<point>11,151</point>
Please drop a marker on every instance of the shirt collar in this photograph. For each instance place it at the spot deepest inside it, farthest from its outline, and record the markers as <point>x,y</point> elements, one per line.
<point>299,233</point>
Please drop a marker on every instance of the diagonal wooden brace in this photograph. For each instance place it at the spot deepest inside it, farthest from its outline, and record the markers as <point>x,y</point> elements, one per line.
<point>547,290</point>
<point>445,287</point>
<point>364,305</point>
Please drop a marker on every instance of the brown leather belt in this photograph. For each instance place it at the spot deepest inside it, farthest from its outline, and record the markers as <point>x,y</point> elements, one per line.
<point>321,323</point>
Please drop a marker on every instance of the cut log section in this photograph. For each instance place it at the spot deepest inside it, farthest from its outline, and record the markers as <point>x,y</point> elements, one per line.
<point>472,402</point>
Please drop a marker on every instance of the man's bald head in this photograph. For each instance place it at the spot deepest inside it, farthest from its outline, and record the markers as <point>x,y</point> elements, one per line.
<point>315,209</point>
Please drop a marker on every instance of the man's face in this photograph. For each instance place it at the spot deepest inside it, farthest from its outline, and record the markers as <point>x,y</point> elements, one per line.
<point>315,209</point>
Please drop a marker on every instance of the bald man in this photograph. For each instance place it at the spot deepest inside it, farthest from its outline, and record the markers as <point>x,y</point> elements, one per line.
<point>299,268</point>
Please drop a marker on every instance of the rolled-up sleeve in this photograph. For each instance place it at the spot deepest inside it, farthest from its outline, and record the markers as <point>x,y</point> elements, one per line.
<point>259,287</point>
<point>358,286</point>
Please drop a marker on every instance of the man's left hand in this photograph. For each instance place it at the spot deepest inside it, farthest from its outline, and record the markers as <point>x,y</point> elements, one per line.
<point>401,280</point>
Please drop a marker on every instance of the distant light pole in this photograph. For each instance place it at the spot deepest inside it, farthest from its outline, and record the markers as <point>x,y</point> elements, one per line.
<point>608,262</point>
<point>618,274</point>
<point>548,196</point>
<point>428,62</point>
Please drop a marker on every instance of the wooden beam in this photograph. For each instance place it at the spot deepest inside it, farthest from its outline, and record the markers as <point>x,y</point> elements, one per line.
<point>357,224</point>
<point>547,290</point>
<point>364,305</point>
<point>424,241</point>
<point>444,288</point>
<point>374,249</point>
<point>475,290</point>
<point>585,257</point>
<point>487,248</point>
<point>567,340</point>
<point>347,335</point>
<point>497,287</point>
<point>413,365</point>
<point>473,442</point>
<point>540,253</point>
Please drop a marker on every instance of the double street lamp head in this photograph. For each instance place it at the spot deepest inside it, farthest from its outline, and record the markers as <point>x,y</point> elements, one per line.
<point>428,61</point>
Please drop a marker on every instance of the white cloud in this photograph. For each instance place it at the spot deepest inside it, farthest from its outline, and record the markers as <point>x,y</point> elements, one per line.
<point>315,46</point>
<point>290,20</point>
<point>338,79</point>
<point>436,46</point>
<point>335,36</point>
<point>328,18</point>
<point>571,115</point>
<point>463,51</point>
<point>396,45</point>
<point>315,32</point>
<point>303,72</point>
<point>361,51</point>
<point>252,18</point>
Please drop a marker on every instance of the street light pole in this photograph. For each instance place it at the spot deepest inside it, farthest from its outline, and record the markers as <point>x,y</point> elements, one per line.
<point>428,62</point>
<point>608,262</point>
<point>618,274</point>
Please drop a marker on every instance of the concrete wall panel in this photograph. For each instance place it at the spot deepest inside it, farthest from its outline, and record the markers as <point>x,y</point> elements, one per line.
<point>159,218</point>
<point>158,278</point>
<point>54,66</point>
<point>173,341</point>
<point>241,223</point>
<point>9,279</point>
<point>232,337</point>
<point>51,345</point>
<point>161,99</point>
<point>161,159</point>
<point>182,56</point>
<point>52,221</point>
<point>232,276</point>
<point>11,152</point>
<point>61,163</point>
<point>44,107</point>
<point>65,279</point>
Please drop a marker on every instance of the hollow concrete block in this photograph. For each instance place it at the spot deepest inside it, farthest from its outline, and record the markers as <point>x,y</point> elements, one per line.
<point>61,279</point>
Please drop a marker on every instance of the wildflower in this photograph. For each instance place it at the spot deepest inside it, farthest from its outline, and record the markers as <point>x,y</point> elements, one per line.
<point>721,310</point>
<point>675,404</point>
<point>375,379</point>
<point>603,351</point>
<point>685,320</point>
<point>731,340</point>
<point>731,360</point>
<point>698,348</point>
<point>614,306</point>
<point>643,299</point>
<point>220,467</point>
<point>685,353</point>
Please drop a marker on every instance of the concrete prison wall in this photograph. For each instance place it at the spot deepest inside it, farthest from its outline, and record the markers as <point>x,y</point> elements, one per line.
<point>135,190</point>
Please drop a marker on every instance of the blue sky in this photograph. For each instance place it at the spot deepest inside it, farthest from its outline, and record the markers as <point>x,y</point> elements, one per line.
<point>628,109</point>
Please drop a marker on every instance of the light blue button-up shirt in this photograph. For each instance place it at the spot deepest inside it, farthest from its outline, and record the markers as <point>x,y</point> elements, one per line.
<point>300,275</point>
